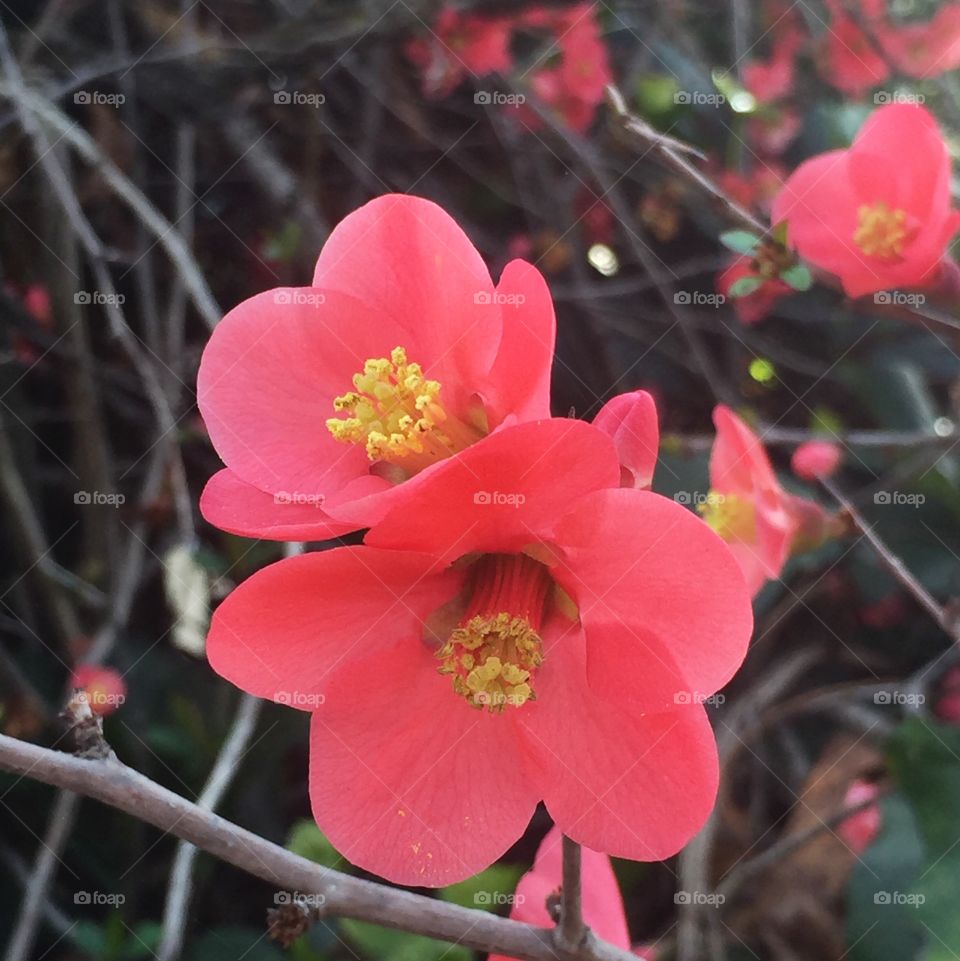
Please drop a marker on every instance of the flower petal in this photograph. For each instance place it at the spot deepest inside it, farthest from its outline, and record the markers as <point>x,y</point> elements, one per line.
<point>631,420</point>
<point>661,598</point>
<point>503,493</point>
<point>408,260</point>
<point>288,631</point>
<point>267,381</point>
<point>520,376</point>
<point>630,784</point>
<point>407,780</point>
<point>232,505</point>
<point>602,903</point>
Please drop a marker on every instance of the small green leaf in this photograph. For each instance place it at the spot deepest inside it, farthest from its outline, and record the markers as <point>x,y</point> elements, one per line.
<point>741,241</point>
<point>779,233</point>
<point>307,840</point>
<point>487,890</point>
<point>745,286</point>
<point>385,944</point>
<point>798,277</point>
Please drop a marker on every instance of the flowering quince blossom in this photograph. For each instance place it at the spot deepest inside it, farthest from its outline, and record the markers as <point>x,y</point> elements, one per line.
<point>459,44</point>
<point>860,830</point>
<point>105,688</point>
<point>746,505</point>
<point>527,631</point>
<point>877,215</point>
<point>631,421</point>
<point>752,307</point>
<point>330,403</point>
<point>850,61</point>
<point>602,903</point>
<point>924,49</point>
<point>575,86</point>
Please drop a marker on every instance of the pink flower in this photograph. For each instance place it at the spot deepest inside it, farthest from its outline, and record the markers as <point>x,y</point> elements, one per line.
<point>860,830</point>
<point>575,86</point>
<point>877,215</point>
<point>329,404</point>
<point>105,688</point>
<point>747,506</point>
<point>602,904</point>
<point>459,44</point>
<point>773,79</point>
<point>851,62</point>
<point>524,631</point>
<point>923,49</point>
<point>815,458</point>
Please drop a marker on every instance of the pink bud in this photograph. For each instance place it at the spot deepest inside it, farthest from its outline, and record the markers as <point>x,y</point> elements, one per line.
<point>861,829</point>
<point>104,687</point>
<point>816,458</point>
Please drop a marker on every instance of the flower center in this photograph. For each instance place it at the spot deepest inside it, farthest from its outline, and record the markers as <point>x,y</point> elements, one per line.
<point>882,232</point>
<point>396,413</point>
<point>731,517</point>
<point>493,654</point>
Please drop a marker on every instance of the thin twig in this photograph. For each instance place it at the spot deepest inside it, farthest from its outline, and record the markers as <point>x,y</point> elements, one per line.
<point>112,782</point>
<point>41,876</point>
<point>571,930</point>
<point>895,565</point>
<point>180,887</point>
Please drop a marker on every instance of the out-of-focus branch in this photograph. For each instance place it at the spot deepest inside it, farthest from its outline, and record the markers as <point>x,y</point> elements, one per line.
<point>180,888</point>
<point>946,619</point>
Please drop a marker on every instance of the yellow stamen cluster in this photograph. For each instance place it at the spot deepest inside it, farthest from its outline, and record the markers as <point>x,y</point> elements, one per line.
<point>491,660</point>
<point>733,518</point>
<point>394,411</point>
<point>882,232</point>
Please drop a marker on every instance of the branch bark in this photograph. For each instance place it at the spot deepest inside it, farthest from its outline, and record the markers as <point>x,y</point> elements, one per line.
<point>112,782</point>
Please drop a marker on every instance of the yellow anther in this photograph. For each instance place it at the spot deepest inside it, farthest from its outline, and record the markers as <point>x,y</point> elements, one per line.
<point>396,412</point>
<point>733,518</point>
<point>881,231</point>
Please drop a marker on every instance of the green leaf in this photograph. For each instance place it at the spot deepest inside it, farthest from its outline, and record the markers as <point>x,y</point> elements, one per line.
<point>925,759</point>
<point>385,944</point>
<point>878,930</point>
<point>307,840</point>
<point>487,890</point>
<point>230,943</point>
<point>740,241</point>
<point>745,286</point>
<point>798,277</point>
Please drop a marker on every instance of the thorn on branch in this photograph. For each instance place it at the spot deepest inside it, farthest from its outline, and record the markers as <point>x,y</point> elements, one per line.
<point>286,923</point>
<point>85,727</point>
